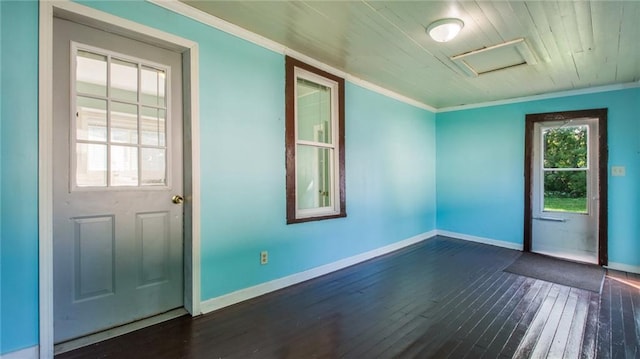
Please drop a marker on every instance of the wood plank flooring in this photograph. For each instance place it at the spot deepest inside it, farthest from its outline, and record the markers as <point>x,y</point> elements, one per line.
<point>442,298</point>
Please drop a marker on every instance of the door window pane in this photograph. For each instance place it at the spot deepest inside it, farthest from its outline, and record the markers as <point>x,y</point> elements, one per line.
<point>565,191</point>
<point>124,80</point>
<point>91,73</point>
<point>91,119</point>
<point>314,112</point>
<point>153,86</point>
<point>118,140</point>
<point>124,123</point>
<point>124,166</point>
<point>565,147</point>
<point>313,177</point>
<point>91,165</point>
<point>152,122</point>
<point>153,167</point>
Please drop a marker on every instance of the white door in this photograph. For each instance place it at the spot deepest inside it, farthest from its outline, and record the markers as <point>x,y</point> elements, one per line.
<point>565,189</point>
<point>118,236</point>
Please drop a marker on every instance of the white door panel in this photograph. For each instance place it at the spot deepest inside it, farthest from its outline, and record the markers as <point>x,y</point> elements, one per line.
<point>118,237</point>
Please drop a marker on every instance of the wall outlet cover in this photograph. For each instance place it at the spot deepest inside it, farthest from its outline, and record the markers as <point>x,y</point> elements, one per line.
<point>618,171</point>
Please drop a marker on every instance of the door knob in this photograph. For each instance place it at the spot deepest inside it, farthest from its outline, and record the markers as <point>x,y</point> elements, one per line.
<point>177,199</point>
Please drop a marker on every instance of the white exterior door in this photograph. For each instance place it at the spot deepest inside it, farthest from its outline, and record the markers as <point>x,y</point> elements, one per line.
<point>565,189</point>
<point>117,230</point>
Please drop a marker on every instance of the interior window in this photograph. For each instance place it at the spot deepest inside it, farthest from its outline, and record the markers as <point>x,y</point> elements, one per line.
<point>314,143</point>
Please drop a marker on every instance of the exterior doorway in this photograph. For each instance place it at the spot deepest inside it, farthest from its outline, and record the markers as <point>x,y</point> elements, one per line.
<point>566,185</point>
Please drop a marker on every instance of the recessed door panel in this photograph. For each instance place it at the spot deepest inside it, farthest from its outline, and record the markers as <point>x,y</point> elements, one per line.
<point>94,257</point>
<point>153,236</point>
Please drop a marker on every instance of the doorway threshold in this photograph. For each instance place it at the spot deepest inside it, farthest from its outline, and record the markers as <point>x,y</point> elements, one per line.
<point>587,258</point>
<point>117,331</point>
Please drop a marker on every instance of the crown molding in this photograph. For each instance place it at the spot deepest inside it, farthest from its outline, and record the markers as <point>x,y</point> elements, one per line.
<point>237,31</point>
<point>585,91</point>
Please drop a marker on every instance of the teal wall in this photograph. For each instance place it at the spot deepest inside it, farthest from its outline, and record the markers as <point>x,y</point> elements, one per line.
<point>19,176</point>
<point>390,167</point>
<point>480,169</point>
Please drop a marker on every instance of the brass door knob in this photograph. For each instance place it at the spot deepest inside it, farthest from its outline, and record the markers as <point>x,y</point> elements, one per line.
<point>177,199</point>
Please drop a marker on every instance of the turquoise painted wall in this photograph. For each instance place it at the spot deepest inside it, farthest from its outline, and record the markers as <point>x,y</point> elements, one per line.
<point>19,176</point>
<point>390,167</point>
<point>480,169</point>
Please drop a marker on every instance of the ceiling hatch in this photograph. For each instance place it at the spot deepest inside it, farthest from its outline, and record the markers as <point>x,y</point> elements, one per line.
<point>498,57</point>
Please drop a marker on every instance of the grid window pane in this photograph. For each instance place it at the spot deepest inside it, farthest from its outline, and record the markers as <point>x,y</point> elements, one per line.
<point>124,166</point>
<point>121,122</point>
<point>91,119</point>
<point>91,73</point>
<point>153,129</point>
<point>153,167</point>
<point>153,86</point>
<point>91,165</point>
<point>124,80</point>
<point>124,123</point>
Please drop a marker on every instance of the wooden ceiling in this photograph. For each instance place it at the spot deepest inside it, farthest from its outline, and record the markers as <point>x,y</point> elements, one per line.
<point>578,44</point>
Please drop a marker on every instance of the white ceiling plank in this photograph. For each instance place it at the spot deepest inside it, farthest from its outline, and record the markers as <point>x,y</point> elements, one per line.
<point>583,18</point>
<point>489,32</point>
<point>570,26</point>
<point>556,64</point>
<point>385,44</point>
<point>533,36</point>
<point>606,39</point>
<point>629,43</point>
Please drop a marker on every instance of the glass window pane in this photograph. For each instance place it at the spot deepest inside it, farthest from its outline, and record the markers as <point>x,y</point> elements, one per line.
<point>91,73</point>
<point>124,123</point>
<point>152,83</point>
<point>314,112</point>
<point>565,147</point>
<point>152,130</point>
<point>313,177</point>
<point>124,80</point>
<point>91,165</point>
<point>565,191</point>
<point>124,166</point>
<point>153,167</point>
<point>91,119</point>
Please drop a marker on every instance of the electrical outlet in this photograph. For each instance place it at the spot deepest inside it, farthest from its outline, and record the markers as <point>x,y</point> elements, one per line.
<point>618,171</point>
<point>264,257</point>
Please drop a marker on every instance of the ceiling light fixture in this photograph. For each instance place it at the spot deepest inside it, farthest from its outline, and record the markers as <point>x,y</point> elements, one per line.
<point>444,30</point>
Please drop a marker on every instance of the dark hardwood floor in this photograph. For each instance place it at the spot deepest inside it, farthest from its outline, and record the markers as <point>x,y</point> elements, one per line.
<point>442,298</point>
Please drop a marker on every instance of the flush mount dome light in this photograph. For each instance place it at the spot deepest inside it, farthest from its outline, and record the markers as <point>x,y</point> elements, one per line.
<point>444,30</point>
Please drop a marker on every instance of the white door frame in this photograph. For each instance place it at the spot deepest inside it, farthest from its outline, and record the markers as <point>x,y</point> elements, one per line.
<point>189,49</point>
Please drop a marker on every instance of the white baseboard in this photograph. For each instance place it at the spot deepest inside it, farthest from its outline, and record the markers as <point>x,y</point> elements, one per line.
<point>264,288</point>
<point>493,242</point>
<point>27,353</point>
<point>623,267</point>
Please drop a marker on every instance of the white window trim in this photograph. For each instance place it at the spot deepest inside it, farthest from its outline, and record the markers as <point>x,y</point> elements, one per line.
<point>334,173</point>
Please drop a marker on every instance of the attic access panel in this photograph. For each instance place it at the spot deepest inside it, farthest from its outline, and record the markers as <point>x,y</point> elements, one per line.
<point>498,57</point>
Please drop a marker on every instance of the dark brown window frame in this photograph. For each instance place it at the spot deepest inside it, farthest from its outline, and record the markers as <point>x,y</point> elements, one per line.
<point>290,140</point>
<point>603,158</point>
